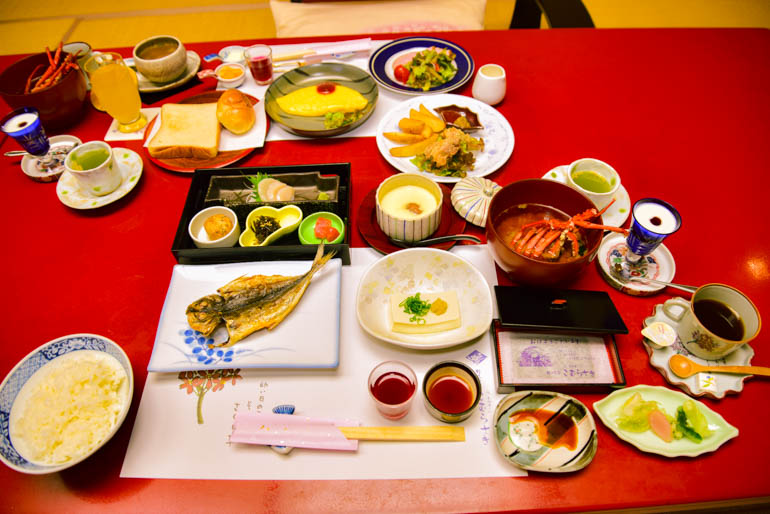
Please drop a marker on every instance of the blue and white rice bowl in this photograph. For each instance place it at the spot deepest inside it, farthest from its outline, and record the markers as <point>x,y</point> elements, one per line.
<point>21,373</point>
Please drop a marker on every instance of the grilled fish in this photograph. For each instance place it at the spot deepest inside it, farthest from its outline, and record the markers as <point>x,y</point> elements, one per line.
<point>248,304</point>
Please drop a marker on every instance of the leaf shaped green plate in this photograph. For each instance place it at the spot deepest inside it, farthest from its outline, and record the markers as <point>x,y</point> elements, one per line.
<point>289,218</point>
<point>647,441</point>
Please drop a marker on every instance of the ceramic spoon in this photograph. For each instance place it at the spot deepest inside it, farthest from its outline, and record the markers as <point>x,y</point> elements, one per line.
<point>619,275</point>
<point>435,240</point>
<point>684,367</point>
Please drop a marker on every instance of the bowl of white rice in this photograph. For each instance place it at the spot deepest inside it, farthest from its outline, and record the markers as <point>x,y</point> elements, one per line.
<point>63,402</point>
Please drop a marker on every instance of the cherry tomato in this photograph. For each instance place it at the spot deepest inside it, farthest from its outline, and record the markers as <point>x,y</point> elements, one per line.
<point>401,73</point>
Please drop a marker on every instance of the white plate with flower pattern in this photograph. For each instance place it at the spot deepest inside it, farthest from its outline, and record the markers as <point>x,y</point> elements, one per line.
<point>497,135</point>
<point>424,270</point>
<point>131,166</point>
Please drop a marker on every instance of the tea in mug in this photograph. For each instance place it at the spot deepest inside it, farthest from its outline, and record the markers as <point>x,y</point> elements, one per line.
<point>89,160</point>
<point>592,181</point>
<point>720,319</point>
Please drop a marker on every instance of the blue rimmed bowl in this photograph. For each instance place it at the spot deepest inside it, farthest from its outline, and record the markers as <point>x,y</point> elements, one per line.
<point>21,373</point>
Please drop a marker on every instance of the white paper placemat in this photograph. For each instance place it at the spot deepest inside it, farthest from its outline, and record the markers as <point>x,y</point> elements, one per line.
<point>169,442</point>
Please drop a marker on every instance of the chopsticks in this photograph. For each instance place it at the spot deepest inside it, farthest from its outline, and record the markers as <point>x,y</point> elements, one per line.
<point>405,433</point>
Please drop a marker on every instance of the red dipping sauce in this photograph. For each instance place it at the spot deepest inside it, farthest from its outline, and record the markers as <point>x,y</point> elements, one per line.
<point>393,388</point>
<point>450,394</point>
<point>261,69</point>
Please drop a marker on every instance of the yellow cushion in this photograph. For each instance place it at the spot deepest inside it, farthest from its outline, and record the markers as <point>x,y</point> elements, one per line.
<point>379,16</point>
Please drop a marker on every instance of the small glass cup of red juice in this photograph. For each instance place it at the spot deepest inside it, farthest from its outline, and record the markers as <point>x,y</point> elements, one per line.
<point>451,391</point>
<point>392,385</point>
<point>260,61</point>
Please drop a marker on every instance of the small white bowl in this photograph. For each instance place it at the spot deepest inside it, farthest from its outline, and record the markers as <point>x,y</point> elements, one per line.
<point>394,224</point>
<point>201,238</point>
<point>233,53</point>
<point>231,82</point>
<point>15,380</point>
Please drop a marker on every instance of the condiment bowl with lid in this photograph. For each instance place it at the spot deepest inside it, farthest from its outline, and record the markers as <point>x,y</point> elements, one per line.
<point>408,206</point>
<point>214,227</point>
<point>76,427</point>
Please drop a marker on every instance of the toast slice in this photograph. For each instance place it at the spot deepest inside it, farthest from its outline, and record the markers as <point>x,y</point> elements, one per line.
<point>186,130</point>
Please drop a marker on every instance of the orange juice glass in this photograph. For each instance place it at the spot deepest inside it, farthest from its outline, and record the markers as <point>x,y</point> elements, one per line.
<point>112,82</point>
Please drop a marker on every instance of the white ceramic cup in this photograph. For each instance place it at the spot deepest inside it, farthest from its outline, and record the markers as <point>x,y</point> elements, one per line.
<point>101,180</point>
<point>162,69</point>
<point>701,341</point>
<point>392,221</point>
<point>602,168</point>
<point>490,84</point>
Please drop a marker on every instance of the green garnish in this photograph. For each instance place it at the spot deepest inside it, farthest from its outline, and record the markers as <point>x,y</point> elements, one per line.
<point>254,182</point>
<point>431,68</point>
<point>334,120</point>
<point>416,307</point>
<point>323,195</point>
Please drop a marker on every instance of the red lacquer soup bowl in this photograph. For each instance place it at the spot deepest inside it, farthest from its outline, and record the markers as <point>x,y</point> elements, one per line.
<point>527,270</point>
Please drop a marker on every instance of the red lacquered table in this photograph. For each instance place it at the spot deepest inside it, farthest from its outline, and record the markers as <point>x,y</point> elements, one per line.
<point>682,114</point>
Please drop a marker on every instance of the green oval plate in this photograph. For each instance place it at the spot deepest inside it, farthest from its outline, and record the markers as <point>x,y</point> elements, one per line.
<point>608,407</point>
<point>307,228</point>
<point>310,75</point>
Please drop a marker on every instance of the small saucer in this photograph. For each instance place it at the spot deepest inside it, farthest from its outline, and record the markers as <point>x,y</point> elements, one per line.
<point>61,145</point>
<point>147,86</point>
<point>618,212</point>
<point>659,265</point>
<point>69,192</point>
<point>713,385</point>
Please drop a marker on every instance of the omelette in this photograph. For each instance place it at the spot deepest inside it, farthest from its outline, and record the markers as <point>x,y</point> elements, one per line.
<point>322,99</point>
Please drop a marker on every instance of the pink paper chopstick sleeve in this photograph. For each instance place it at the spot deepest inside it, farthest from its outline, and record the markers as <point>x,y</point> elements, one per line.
<point>298,431</point>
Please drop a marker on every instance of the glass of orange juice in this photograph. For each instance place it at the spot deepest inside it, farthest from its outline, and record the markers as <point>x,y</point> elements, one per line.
<point>113,83</point>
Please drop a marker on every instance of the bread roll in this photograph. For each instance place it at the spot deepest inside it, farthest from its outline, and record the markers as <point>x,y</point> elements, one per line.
<point>235,112</point>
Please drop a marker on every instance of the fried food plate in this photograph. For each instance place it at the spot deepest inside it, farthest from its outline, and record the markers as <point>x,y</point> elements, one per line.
<point>312,75</point>
<point>383,60</point>
<point>497,135</point>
